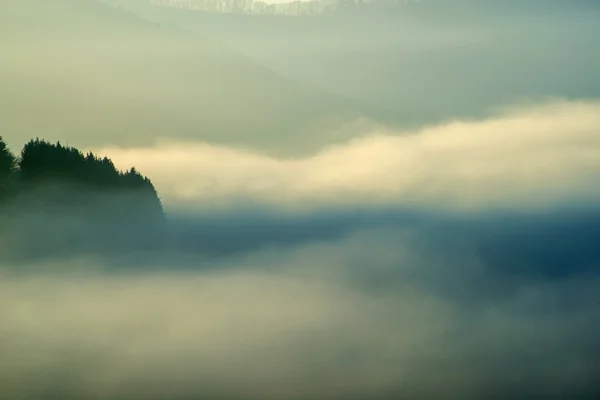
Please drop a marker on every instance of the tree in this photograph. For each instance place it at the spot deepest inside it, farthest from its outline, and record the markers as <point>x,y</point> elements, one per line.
<point>81,202</point>
<point>8,164</point>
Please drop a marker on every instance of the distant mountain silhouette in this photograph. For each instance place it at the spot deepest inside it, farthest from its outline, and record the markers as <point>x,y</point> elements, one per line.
<point>54,200</point>
<point>119,73</point>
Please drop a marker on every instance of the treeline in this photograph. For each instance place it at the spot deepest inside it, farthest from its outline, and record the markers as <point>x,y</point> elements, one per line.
<point>55,200</point>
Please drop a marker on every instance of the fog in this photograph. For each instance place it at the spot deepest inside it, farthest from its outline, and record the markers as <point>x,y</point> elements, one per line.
<point>275,84</point>
<point>89,74</point>
<point>525,157</point>
<point>328,304</point>
<point>301,323</point>
<point>374,203</point>
<point>429,60</point>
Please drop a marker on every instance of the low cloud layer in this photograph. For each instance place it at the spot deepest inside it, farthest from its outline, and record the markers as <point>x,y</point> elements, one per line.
<point>530,156</point>
<point>371,315</point>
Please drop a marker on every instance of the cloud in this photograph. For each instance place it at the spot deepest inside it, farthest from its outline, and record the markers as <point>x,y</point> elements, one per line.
<point>528,156</point>
<point>366,316</point>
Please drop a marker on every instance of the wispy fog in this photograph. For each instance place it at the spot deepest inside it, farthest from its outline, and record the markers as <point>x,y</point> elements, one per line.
<point>370,315</point>
<point>530,156</point>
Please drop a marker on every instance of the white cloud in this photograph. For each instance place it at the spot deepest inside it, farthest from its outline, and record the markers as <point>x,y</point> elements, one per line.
<point>531,156</point>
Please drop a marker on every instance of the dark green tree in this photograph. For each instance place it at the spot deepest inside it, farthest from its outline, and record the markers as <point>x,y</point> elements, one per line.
<point>8,163</point>
<point>81,202</point>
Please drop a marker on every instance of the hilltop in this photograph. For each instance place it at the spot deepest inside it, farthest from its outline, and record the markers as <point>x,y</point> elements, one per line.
<point>55,200</point>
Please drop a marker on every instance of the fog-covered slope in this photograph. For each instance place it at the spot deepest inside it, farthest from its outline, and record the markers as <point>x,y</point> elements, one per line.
<point>438,58</point>
<point>89,74</point>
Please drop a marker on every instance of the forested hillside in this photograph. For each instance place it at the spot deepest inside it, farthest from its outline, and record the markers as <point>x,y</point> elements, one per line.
<point>56,200</point>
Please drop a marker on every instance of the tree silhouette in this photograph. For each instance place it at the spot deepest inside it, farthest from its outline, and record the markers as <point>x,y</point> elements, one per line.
<point>8,164</point>
<point>64,201</point>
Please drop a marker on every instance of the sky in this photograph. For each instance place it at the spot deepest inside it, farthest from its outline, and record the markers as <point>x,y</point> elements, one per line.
<point>360,205</point>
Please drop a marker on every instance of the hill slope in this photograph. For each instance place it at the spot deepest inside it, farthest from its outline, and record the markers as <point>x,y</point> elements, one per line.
<point>433,60</point>
<point>90,75</point>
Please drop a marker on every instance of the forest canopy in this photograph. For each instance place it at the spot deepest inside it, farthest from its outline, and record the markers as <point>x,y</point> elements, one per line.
<point>56,200</point>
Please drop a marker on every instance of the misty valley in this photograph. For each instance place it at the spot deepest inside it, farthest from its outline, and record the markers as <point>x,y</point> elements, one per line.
<point>299,200</point>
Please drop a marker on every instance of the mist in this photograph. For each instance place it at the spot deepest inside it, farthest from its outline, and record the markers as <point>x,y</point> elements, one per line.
<point>365,315</point>
<point>376,201</point>
<point>426,60</point>
<point>525,157</point>
<point>112,78</point>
